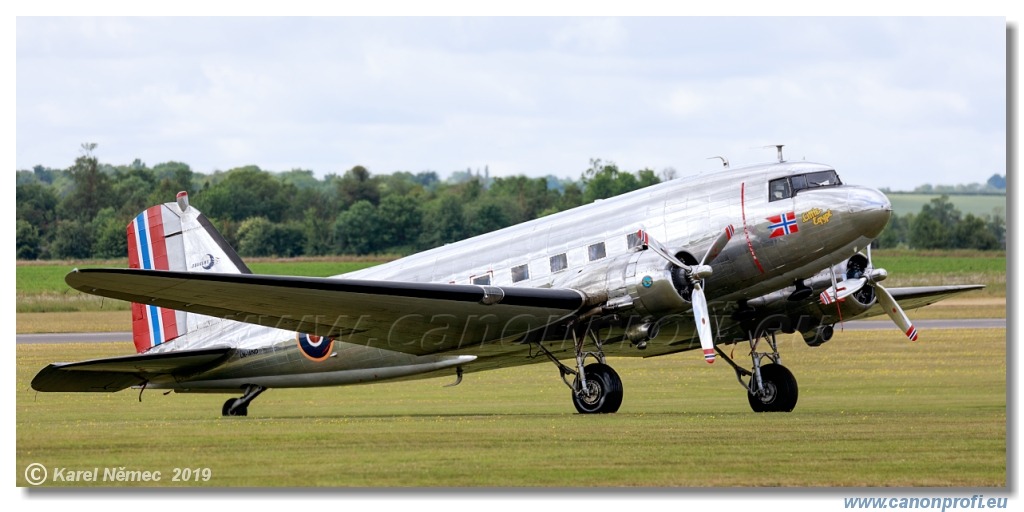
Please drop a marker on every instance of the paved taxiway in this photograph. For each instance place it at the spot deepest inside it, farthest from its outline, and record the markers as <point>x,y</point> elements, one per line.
<point>856,325</point>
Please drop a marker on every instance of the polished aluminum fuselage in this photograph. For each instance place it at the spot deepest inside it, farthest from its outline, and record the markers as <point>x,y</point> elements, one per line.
<point>685,214</point>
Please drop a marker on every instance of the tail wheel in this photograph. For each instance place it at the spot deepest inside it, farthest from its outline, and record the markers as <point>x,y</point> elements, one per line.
<point>603,393</point>
<point>780,391</point>
<point>239,411</point>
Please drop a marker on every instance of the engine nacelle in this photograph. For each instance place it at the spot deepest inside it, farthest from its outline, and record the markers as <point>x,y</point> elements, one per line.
<point>779,311</point>
<point>858,302</point>
<point>849,307</point>
<point>648,287</point>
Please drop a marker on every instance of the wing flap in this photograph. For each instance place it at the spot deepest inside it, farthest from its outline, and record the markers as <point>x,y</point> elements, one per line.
<point>117,373</point>
<point>413,318</point>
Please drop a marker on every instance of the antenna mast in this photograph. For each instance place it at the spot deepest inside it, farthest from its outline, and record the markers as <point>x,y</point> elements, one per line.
<point>725,161</point>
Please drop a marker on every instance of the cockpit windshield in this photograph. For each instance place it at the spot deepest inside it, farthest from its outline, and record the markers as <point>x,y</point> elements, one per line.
<point>783,188</point>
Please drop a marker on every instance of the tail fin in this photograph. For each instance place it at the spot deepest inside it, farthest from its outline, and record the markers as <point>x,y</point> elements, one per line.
<point>174,236</point>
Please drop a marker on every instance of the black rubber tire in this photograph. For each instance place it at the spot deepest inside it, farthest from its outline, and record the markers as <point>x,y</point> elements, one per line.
<point>226,409</point>
<point>606,394</point>
<point>782,390</point>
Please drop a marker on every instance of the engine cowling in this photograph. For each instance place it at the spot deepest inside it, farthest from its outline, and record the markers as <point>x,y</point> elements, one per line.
<point>860,301</point>
<point>651,287</point>
<point>812,318</point>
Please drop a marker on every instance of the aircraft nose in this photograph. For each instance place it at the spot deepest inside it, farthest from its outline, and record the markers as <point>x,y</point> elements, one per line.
<point>870,208</point>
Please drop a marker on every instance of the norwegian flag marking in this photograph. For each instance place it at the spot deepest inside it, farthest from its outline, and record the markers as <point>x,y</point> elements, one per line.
<point>782,225</point>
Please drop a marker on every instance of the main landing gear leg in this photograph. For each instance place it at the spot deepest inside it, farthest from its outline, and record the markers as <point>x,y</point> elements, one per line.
<point>596,387</point>
<point>240,406</point>
<point>770,387</point>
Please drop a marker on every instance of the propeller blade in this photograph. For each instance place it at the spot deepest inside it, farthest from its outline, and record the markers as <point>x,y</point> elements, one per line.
<point>662,251</point>
<point>695,274</point>
<point>842,290</point>
<point>896,312</point>
<point>718,245</point>
<point>892,308</point>
<point>703,321</point>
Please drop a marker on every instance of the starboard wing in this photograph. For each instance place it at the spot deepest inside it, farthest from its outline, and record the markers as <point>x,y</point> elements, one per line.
<point>413,318</point>
<point>912,297</point>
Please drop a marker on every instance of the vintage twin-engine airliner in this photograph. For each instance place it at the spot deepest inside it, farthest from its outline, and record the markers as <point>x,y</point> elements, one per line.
<point>695,263</point>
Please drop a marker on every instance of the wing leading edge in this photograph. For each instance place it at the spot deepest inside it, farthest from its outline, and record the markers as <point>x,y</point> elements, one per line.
<point>412,318</point>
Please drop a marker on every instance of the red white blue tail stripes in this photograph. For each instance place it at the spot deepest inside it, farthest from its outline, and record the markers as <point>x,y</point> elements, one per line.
<point>147,249</point>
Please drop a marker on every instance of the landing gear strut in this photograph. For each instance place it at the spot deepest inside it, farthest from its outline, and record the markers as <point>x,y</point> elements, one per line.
<point>770,387</point>
<point>596,387</point>
<point>240,406</point>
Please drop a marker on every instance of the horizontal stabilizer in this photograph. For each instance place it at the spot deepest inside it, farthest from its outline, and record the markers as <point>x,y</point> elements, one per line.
<point>117,373</point>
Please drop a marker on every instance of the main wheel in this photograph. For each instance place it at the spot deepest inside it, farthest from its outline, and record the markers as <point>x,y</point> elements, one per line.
<point>780,391</point>
<point>239,411</point>
<point>603,393</point>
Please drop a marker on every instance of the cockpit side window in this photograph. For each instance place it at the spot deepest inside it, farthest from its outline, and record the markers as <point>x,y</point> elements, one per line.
<point>823,179</point>
<point>783,188</point>
<point>799,182</point>
<point>779,189</point>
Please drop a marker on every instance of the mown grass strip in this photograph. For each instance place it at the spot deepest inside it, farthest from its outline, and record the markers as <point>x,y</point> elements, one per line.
<point>874,410</point>
<point>41,287</point>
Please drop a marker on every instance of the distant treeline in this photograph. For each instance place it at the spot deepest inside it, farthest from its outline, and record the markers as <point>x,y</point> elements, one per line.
<point>81,212</point>
<point>996,185</point>
<point>940,225</point>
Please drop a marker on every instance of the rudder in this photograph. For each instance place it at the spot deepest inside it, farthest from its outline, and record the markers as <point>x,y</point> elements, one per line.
<point>174,236</point>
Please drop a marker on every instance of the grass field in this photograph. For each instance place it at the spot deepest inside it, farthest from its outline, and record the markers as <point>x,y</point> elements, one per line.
<point>41,288</point>
<point>874,410</point>
<point>925,268</point>
<point>978,205</point>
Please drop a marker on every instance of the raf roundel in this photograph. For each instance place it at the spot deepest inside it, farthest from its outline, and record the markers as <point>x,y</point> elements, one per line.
<point>315,348</point>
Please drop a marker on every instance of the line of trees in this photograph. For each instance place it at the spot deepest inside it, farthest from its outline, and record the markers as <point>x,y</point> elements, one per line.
<point>995,185</point>
<point>81,212</point>
<point>940,225</point>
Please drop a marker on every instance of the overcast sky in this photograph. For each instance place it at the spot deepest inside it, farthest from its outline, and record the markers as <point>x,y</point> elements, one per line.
<point>893,102</point>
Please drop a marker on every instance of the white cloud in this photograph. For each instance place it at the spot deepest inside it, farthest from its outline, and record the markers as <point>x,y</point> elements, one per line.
<point>531,95</point>
<point>590,35</point>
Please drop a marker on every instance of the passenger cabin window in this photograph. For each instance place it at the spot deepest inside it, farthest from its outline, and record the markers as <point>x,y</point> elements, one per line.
<point>633,241</point>
<point>520,273</point>
<point>484,280</point>
<point>559,262</point>
<point>596,251</point>
<point>784,188</point>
